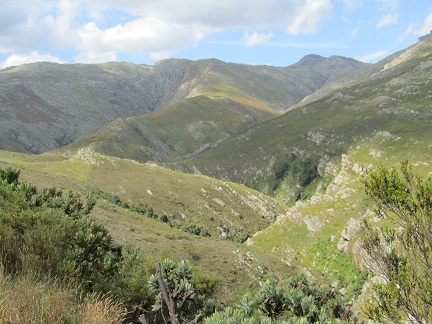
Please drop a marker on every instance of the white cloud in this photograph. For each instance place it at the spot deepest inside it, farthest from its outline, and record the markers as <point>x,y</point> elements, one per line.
<point>387,20</point>
<point>153,27</point>
<point>310,16</point>
<point>142,35</point>
<point>96,57</point>
<point>388,5</point>
<point>350,5</point>
<point>416,30</point>
<point>18,59</point>
<point>20,26</point>
<point>256,38</point>
<point>353,32</point>
<point>373,57</point>
<point>215,14</point>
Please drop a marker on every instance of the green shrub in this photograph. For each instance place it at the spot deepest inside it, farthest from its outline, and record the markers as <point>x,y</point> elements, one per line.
<point>48,233</point>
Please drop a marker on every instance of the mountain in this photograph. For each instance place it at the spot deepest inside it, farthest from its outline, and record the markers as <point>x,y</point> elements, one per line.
<point>203,218</point>
<point>240,154</point>
<point>284,156</point>
<point>44,106</point>
<point>173,133</point>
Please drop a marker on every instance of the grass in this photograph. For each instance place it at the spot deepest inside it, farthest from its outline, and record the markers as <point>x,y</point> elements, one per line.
<point>384,119</point>
<point>24,299</point>
<point>204,201</point>
<point>173,133</point>
<point>171,192</point>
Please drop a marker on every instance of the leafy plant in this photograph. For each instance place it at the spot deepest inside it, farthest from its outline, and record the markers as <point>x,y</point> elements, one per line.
<point>299,301</point>
<point>176,298</point>
<point>52,234</point>
<point>402,254</point>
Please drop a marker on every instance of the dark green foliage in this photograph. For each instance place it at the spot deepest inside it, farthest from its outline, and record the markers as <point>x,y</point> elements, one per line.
<point>288,171</point>
<point>299,301</point>
<point>52,234</point>
<point>241,237</point>
<point>127,285</point>
<point>402,256</point>
<point>9,175</point>
<point>176,297</point>
<point>192,228</point>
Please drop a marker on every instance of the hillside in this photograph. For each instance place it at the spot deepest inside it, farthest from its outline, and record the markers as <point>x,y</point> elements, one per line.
<point>44,106</point>
<point>321,151</point>
<point>284,155</point>
<point>173,133</point>
<point>209,165</point>
<point>219,208</point>
<point>226,211</point>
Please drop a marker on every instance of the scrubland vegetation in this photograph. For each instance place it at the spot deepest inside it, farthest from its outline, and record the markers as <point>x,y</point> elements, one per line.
<point>60,265</point>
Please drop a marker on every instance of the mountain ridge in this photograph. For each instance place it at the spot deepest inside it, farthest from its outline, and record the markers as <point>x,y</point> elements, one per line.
<point>305,164</point>
<point>55,104</point>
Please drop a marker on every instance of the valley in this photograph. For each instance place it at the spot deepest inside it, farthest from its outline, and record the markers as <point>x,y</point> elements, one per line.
<point>250,172</point>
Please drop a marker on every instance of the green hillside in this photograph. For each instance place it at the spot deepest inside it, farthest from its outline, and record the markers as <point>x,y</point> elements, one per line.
<point>219,208</point>
<point>47,105</point>
<point>212,171</point>
<point>176,132</point>
<point>227,211</point>
<point>328,145</point>
<point>295,149</point>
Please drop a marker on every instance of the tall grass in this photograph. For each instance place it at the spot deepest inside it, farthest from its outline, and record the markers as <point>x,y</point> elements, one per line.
<point>25,299</point>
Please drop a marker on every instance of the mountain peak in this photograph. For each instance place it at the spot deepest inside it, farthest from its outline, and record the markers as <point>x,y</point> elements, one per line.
<point>311,59</point>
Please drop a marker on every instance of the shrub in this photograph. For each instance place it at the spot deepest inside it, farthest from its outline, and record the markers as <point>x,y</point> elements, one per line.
<point>401,256</point>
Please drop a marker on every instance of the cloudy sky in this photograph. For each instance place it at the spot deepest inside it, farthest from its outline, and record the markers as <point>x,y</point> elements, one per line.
<point>275,32</point>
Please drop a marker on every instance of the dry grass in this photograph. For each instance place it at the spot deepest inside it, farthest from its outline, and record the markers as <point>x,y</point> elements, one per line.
<point>101,309</point>
<point>26,300</point>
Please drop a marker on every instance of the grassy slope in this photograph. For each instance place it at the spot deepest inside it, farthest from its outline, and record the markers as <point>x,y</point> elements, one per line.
<point>176,132</point>
<point>198,198</point>
<point>205,201</point>
<point>395,100</point>
<point>384,118</point>
<point>397,113</point>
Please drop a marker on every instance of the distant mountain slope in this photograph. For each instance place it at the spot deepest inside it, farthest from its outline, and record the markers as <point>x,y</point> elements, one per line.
<point>44,105</point>
<point>174,133</point>
<point>283,156</point>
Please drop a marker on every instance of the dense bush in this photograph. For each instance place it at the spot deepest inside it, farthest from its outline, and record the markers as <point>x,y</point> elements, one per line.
<point>400,254</point>
<point>50,233</point>
<point>296,301</point>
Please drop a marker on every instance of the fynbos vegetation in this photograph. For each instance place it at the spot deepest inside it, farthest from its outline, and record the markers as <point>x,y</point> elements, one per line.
<point>228,201</point>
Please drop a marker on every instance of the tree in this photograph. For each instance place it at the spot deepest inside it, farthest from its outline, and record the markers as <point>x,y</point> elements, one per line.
<point>401,254</point>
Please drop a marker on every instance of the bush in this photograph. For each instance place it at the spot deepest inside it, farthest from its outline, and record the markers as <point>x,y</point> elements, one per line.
<point>299,301</point>
<point>402,257</point>
<point>48,233</point>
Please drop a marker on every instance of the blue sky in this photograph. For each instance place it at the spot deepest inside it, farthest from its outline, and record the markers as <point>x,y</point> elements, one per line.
<point>275,32</point>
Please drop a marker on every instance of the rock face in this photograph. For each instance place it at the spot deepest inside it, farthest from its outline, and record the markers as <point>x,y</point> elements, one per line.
<point>352,227</point>
<point>47,105</point>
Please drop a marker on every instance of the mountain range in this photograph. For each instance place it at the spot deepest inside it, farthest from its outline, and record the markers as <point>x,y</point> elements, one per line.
<point>272,157</point>
<point>48,105</point>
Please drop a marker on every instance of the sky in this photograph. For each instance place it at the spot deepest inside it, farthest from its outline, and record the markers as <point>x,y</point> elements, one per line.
<point>273,32</point>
